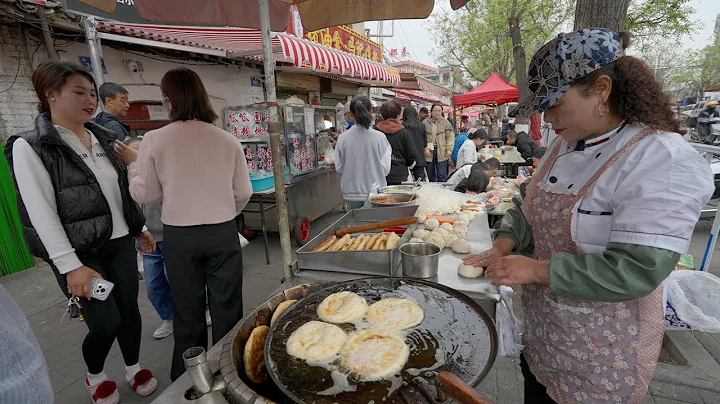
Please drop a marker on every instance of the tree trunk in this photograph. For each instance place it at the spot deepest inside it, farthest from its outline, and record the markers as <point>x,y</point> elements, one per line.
<point>610,14</point>
<point>519,56</point>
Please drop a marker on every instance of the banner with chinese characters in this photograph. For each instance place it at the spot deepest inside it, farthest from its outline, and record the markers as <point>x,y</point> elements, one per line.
<point>247,122</point>
<point>348,40</point>
<point>259,158</point>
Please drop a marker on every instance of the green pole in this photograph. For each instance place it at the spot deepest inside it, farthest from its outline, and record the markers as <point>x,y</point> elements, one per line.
<point>14,255</point>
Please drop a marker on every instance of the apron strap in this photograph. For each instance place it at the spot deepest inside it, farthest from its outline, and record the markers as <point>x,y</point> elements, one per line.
<point>634,140</point>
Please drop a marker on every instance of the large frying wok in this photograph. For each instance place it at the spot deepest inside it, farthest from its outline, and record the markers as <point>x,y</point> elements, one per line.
<point>456,337</point>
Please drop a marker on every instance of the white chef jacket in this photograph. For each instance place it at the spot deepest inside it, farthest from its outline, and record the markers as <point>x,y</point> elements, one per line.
<point>651,196</point>
<point>467,154</point>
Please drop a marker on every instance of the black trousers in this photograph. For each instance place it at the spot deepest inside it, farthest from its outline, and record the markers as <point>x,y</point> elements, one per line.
<point>535,392</point>
<point>419,172</point>
<point>119,315</point>
<point>196,257</point>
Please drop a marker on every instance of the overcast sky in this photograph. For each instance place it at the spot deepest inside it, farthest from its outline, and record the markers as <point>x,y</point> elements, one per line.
<point>414,35</point>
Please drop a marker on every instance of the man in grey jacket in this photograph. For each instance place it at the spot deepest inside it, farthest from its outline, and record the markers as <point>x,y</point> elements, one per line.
<point>116,106</point>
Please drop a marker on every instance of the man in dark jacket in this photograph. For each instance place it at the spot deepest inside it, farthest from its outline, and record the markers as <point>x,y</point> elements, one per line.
<point>525,145</point>
<point>704,129</point>
<point>116,106</point>
<point>404,152</point>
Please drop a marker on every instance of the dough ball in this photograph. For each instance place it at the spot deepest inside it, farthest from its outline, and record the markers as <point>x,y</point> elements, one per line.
<point>460,226</point>
<point>469,272</point>
<point>436,239</point>
<point>432,224</point>
<point>460,233</point>
<point>462,221</point>
<point>450,239</point>
<point>421,217</point>
<point>420,233</point>
<point>416,240</point>
<point>461,246</point>
<point>446,226</point>
<point>441,231</point>
<point>420,227</point>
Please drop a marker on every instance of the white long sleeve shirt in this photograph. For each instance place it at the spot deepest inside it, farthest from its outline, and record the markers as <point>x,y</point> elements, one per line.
<point>38,195</point>
<point>362,157</point>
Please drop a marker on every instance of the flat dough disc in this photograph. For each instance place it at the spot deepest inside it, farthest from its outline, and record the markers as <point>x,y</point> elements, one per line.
<point>395,314</point>
<point>342,307</point>
<point>281,309</point>
<point>254,355</point>
<point>315,341</point>
<point>374,354</point>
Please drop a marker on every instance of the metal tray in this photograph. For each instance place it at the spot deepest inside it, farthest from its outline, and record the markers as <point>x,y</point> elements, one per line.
<point>368,262</point>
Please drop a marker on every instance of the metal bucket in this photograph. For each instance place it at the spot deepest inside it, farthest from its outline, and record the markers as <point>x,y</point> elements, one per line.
<point>420,260</point>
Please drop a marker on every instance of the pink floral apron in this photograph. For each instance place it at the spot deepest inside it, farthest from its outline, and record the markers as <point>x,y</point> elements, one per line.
<point>584,351</point>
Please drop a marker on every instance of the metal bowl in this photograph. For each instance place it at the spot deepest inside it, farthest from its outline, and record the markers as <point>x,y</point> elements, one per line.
<point>397,189</point>
<point>392,200</point>
<point>420,260</point>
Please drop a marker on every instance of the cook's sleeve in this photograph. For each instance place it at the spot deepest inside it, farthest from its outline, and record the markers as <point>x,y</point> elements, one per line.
<point>514,225</point>
<point>622,272</point>
<point>38,195</point>
<point>660,195</point>
<point>144,182</point>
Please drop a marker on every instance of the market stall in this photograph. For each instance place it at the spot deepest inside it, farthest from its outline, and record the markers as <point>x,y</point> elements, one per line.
<point>313,186</point>
<point>464,306</point>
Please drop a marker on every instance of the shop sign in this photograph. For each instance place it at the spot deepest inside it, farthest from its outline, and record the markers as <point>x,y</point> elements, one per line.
<point>347,40</point>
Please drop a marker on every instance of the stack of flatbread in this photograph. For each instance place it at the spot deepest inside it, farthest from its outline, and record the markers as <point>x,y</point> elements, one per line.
<point>380,241</point>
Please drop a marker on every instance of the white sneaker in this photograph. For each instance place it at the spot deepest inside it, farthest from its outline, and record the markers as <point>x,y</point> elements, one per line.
<point>208,320</point>
<point>165,329</point>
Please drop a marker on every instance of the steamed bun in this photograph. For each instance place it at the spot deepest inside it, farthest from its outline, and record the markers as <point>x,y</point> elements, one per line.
<point>446,226</point>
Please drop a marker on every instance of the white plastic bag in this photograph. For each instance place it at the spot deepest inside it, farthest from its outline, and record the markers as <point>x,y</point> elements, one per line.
<point>508,326</point>
<point>330,155</point>
<point>243,241</point>
<point>692,301</point>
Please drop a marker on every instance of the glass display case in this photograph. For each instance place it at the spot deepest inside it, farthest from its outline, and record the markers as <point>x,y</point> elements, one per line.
<point>325,124</point>
<point>299,139</point>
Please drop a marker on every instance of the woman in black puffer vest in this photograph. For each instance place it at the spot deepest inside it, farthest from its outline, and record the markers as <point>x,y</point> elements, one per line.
<point>77,215</point>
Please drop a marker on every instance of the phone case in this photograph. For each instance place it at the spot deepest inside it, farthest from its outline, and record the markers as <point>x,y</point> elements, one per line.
<point>101,288</point>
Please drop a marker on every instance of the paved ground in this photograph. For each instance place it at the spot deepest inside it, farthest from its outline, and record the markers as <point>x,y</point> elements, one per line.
<point>695,380</point>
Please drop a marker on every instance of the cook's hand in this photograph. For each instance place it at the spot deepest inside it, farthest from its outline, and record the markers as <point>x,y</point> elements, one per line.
<point>146,242</point>
<point>125,153</point>
<point>427,153</point>
<point>484,259</point>
<point>518,270</point>
<point>78,281</point>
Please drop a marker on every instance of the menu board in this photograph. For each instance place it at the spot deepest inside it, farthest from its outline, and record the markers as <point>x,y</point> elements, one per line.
<point>301,154</point>
<point>258,156</point>
<point>247,122</point>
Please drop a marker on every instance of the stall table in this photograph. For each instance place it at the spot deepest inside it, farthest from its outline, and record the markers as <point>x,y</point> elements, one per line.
<point>478,289</point>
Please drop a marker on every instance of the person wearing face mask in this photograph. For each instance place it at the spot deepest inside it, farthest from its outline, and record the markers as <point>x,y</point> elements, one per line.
<point>705,128</point>
<point>116,105</point>
<point>602,226</point>
<point>78,216</point>
<point>440,139</point>
<point>203,189</point>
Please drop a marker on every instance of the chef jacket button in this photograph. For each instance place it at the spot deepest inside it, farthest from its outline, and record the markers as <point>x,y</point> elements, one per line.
<point>598,155</point>
<point>553,179</point>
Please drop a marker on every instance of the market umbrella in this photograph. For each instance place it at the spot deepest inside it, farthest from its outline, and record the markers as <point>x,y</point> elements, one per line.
<point>493,91</point>
<point>274,15</point>
<point>316,14</point>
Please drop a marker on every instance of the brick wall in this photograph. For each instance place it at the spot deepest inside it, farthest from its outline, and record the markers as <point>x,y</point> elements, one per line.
<point>18,103</point>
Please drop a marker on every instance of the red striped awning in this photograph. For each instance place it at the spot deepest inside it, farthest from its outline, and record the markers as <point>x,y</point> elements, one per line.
<point>228,41</point>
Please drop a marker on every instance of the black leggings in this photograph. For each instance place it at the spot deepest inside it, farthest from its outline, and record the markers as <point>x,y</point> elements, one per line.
<point>196,257</point>
<point>119,315</point>
<point>535,392</point>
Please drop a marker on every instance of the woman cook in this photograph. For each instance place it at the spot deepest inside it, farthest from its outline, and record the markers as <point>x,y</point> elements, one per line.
<point>610,209</point>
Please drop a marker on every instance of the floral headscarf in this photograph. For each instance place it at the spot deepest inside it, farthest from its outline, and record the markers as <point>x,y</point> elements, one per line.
<point>561,62</point>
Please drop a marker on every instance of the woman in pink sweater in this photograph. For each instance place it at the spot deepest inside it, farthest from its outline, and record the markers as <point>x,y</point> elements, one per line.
<point>201,174</point>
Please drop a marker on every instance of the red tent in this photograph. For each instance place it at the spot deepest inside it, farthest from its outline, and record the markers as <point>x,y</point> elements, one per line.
<point>493,91</point>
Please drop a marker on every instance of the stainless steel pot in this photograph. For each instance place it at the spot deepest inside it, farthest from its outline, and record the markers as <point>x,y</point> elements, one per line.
<point>402,200</point>
<point>420,260</point>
